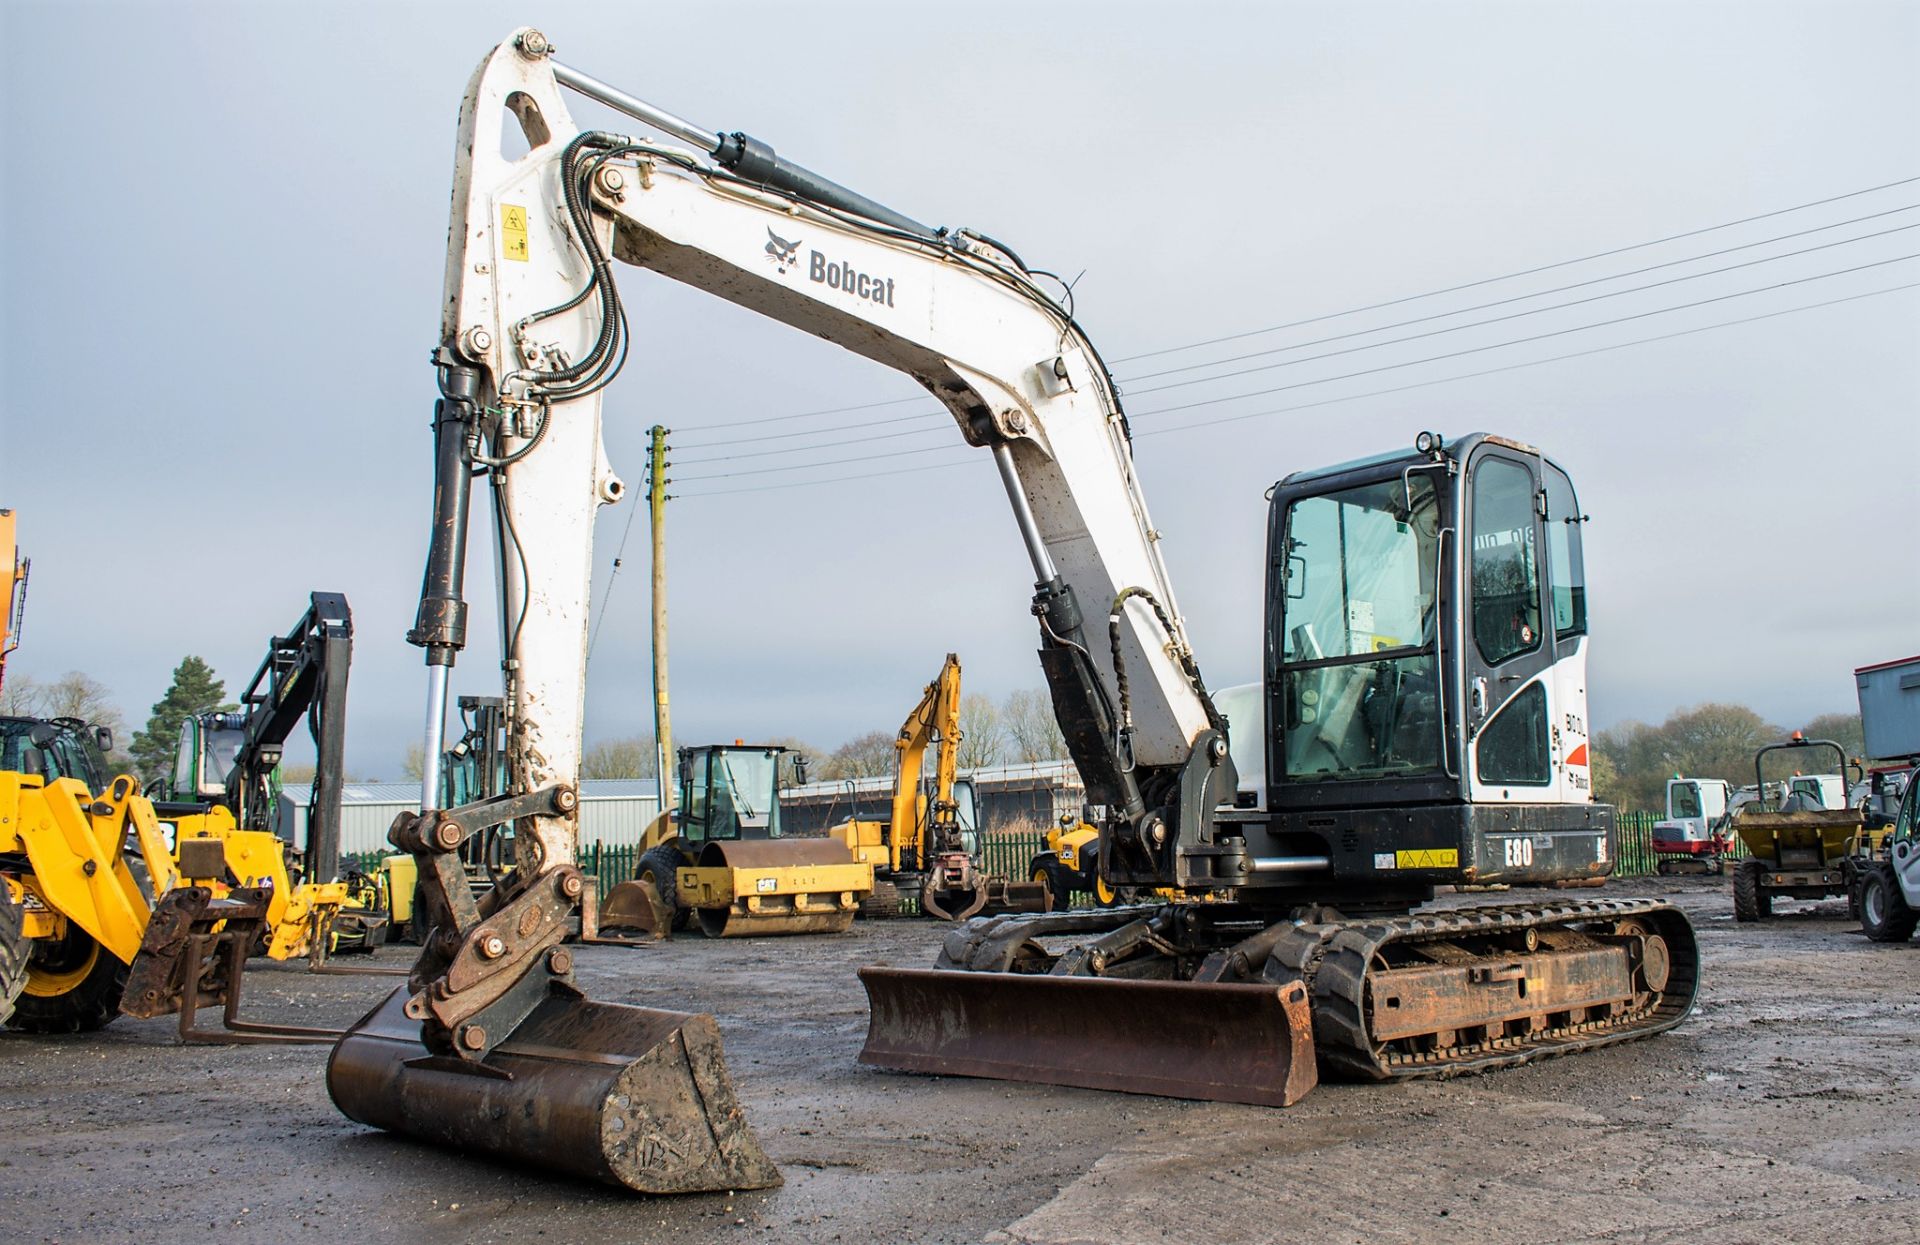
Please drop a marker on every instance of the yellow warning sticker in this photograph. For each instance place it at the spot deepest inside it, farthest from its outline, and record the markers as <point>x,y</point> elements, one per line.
<point>1429,858</point>
<point>513,231</point>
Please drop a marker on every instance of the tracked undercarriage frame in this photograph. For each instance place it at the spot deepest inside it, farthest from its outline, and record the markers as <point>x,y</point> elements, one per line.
<point>1433,993</point>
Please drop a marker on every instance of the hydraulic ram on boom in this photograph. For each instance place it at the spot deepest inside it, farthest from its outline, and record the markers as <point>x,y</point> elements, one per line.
<point>1421,719</point>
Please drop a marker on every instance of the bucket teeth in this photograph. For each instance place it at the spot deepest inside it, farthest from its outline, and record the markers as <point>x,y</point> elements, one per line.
<point>629,1096</point>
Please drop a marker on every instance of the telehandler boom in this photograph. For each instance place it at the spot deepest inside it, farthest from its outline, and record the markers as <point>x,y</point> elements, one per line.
<point>1424,716</point>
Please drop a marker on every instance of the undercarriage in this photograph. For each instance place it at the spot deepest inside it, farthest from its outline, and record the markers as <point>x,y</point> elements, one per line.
<point>1434,992</point>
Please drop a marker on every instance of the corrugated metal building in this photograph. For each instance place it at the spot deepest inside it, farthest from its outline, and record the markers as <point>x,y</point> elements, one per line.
<point>1890,707</point>
<point>1010,799</point>
<point>613,812</point>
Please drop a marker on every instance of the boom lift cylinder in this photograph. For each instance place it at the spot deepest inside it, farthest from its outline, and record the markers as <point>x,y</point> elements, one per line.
<point>489,1045</point>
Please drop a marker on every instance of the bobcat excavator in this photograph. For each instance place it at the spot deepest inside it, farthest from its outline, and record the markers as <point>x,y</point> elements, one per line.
<point>1423,720</point>
<point>921,846</point>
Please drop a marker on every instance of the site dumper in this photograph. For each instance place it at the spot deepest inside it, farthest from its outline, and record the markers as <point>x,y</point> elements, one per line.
<point>1800,848</point>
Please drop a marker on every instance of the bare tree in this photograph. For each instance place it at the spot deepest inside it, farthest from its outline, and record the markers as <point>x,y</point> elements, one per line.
<point>631,757</point>
<point>865,756</point>
<point>1032,732</point>
<point>20,697</point>
<point>72,695</point>
<point>800,755</point>
<point>983,736</point>
<point>1705,741</point>
<point>416,761</point>
<point>1842,728</point>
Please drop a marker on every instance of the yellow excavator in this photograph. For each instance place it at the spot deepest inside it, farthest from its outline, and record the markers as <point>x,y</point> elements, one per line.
<point>923,846</point>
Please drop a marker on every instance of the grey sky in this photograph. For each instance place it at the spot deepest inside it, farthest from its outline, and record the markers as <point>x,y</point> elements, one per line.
<point>225,227</point>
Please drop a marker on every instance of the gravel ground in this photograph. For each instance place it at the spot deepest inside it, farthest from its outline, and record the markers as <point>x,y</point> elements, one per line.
<point>1787,1108</point>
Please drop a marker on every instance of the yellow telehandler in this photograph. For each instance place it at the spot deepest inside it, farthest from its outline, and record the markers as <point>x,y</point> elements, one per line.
<point>99,912</point>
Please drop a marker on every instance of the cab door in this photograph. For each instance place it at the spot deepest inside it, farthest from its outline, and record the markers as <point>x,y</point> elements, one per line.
<point>1509,653</point>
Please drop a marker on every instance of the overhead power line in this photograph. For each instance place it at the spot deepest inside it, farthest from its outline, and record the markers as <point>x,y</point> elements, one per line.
<point>1561,289</point>
<point>1351,397</point>
<point>1514,367</point>
<point>1318,319</point>
<point>1524,272</point>
<point>1516,315</point>
<point>1521,341</point>
<point>1370,371</point>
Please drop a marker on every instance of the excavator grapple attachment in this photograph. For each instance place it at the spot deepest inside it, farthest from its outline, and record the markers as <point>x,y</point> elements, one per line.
<point>629,1096</point>
<point>1221,1042</point>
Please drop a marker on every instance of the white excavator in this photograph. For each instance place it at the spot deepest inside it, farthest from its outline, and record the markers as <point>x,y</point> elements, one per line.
<point>1422,721</point>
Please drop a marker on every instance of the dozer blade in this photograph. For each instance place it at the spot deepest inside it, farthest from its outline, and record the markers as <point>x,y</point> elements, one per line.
<point>626,1095</point>
<point>1218,1042</point>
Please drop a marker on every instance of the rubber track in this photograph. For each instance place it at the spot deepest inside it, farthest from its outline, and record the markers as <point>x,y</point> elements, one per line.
<point>1334,958</point>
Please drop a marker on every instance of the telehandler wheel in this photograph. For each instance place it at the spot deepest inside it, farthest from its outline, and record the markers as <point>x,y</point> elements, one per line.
<point>1750,899</point>
<point>14,953</point>
<point>1048,872</point>
<point>73,986</point>
<point>1884,913</point>
<point>661,865</point>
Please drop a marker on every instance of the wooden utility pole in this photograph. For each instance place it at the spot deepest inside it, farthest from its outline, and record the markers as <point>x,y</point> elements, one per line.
<point>656,514</point>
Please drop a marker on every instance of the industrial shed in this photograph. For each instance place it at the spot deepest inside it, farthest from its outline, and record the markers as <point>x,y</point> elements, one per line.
<point>1011,799</point>
<point>614,812</point>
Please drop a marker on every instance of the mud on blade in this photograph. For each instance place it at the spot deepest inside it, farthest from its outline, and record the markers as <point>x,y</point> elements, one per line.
<point>1221,1043</point>
<point>629,1096</point>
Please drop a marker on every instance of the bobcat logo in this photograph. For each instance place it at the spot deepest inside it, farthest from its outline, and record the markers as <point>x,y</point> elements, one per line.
<point>781,251</point>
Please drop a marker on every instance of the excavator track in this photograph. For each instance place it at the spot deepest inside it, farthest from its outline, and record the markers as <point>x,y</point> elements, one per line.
<point>1477,965</point>
<point>1431,994</point>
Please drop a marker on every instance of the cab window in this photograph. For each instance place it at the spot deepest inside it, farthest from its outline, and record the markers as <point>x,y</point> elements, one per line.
<point>1565,566</point>
<point>1506,578</point>
<point>1513,747</point>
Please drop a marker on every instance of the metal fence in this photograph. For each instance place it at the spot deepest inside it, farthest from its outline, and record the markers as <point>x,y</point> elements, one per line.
<point>1008,855</point>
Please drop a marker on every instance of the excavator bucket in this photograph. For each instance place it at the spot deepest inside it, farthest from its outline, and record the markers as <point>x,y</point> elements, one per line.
<point>632,914</point>
<point>628,1096</point>
<point>1217,1042</point>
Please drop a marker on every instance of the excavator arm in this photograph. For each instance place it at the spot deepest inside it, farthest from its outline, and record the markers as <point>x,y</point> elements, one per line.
<point>532,332</point>
<point>936,717</point>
